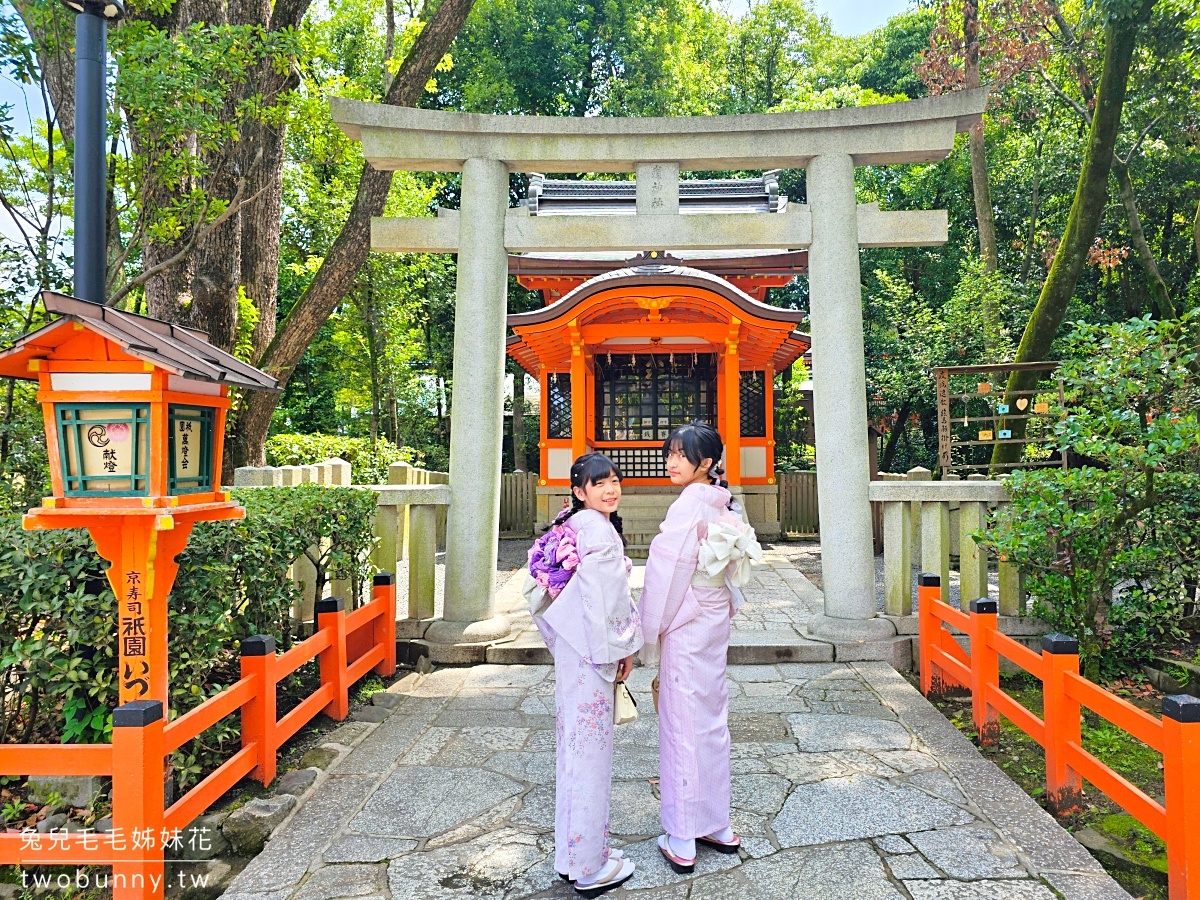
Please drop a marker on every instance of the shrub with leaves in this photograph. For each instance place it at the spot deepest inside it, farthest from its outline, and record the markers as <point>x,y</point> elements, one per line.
<point>369,460</point>
<point>332,524</point>
<point>1112,549</point>
<point>58,614</point>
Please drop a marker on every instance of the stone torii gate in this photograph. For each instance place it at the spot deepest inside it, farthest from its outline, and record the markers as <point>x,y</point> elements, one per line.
<point>831,225</point>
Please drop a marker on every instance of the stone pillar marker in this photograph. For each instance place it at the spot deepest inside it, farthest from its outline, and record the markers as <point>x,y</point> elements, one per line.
<point>657,189</point>
<point>477,410</point>
<point>840,407</point>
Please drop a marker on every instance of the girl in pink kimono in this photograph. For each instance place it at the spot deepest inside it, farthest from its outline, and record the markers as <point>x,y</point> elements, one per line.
<point>593,629</point>
<point>696,564</point>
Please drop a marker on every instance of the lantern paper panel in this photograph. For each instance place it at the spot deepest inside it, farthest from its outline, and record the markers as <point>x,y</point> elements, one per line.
<point>105,448</point>
<point>190,445</point>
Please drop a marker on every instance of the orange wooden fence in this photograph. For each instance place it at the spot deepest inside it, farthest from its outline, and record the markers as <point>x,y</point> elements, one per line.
<point>347,647</point>
<point>945,665</point>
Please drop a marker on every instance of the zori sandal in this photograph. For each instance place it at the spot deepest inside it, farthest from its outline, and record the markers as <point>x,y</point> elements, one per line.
<point>681,865</point>
<point>614,874</point>
<point>721,846</point>
<point>613,853</point>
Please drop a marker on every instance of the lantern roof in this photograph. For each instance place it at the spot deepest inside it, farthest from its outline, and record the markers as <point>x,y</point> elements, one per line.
<point>181,351</point>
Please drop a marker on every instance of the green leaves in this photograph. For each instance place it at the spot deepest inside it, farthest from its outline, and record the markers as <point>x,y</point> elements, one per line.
<point>1137,390</point>
<point>369,461</point>
<point>1113,553</point>
<point>58,615</point>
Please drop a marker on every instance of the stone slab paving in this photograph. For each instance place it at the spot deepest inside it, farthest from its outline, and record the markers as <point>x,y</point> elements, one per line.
<point>847,784</point>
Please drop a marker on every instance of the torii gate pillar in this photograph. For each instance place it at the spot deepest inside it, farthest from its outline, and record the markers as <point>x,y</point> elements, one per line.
<point>840,406</point>
<point>477,410</point>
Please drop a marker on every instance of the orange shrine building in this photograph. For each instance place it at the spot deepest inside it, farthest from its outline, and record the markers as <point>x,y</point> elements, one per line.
<point>629,346</point>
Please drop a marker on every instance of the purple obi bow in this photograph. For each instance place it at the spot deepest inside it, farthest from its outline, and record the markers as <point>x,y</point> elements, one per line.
<point>553,559</point>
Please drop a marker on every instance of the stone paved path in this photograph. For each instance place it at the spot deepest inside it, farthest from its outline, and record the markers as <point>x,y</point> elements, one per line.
<point>847,784</point>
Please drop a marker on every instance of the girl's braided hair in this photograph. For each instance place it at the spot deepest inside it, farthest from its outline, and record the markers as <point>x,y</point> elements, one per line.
<point>589,469</point>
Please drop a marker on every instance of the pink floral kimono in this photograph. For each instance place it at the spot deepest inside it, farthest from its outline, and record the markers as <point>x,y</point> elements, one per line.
<point>700,556</point>
<point>591,626</point>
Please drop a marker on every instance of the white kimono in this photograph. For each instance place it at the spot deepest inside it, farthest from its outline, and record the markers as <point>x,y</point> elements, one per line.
<point>589,628</point>
<point>696,565</point>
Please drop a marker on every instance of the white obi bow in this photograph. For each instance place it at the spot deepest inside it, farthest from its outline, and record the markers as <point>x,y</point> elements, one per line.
<point>728,550</point>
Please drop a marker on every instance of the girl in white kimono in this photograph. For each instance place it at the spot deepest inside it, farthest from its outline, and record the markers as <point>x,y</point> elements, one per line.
<point>592,629</point>
<point>696,564</point>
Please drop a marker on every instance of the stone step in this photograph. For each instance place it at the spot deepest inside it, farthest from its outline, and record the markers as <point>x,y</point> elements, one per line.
<point>770,647</point>
<point>764,648</point>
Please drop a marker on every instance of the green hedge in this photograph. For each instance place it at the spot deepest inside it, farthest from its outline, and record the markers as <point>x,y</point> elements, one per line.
<point>368,460</point>
<point>58,615</point>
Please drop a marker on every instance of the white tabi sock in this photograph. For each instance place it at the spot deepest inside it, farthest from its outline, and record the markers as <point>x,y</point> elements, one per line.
<point>607,871</point>
<point>681,848</point>
<point>725,835</point>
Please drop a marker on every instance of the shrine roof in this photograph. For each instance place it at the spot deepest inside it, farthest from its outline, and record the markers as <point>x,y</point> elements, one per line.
<point>181,351</point>
<point>547,196</point>
<point>656,273</point>
<point>725,263</point>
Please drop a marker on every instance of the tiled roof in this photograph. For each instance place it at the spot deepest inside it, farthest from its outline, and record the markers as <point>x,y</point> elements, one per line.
<point>548,196</point>
<point>181,351</point>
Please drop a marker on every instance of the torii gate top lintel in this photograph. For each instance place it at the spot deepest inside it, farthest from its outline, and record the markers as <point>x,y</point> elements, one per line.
<point>404,138</point>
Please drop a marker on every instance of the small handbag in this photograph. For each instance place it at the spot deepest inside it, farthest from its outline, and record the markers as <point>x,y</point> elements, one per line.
<point>654,693</point>
<point>624,706</point>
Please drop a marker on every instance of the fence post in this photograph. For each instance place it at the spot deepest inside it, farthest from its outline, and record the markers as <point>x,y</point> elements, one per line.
<point>917,473</point>
<point>1012,588</point>
<point>929,587</point>
<point>384,625</point>
<point>972,559</point>
<point>1064,792</point>
<point>331,614</point>
<point>897,558</point>
<point>258,716</point>
<point>138,797</point>
<point>985,669</point>
<point>388,550</point>
<point>935,543</point>
<point>422,561</point>
<point>400,473</point>
<point>1181,771</point>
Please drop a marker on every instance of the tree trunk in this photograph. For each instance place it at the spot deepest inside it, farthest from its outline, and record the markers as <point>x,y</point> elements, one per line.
<point>1159,294</point>
<point>389,42</point>
<point>260,232</point>
<point>1034,203</point>
<point>984,214</point>
<point>336,276</point>
<point>218,272</point>
<point>893,438</point>
<point>1091,195</point>
<point>1196,231</point>
<point>520,464</point>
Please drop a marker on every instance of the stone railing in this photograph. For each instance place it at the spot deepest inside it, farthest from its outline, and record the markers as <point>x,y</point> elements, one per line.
<point>930,523</point>
<point>332,472</point>
<point>409,525</point>
<point>408,521</point>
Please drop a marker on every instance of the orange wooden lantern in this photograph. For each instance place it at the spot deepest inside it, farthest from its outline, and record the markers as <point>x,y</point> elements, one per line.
<point>134,410</point>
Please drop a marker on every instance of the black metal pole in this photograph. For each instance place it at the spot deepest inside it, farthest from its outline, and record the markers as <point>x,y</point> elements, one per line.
<point>91,263</point>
